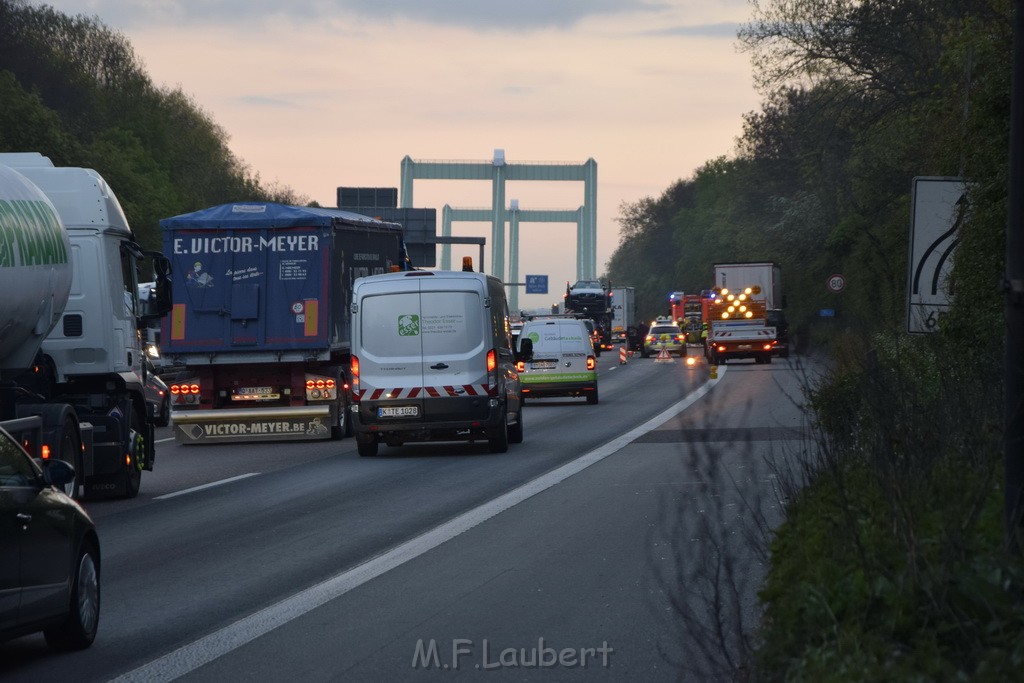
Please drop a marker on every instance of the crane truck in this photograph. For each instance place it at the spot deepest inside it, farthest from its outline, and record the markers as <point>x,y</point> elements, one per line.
<point>72,370</point>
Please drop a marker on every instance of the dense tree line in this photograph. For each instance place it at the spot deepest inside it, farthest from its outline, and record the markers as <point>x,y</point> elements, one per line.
<point>860,97</point>
<point>891,562</point>
<point>73,90</point>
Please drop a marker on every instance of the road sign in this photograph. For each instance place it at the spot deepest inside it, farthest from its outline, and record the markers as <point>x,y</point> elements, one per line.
<point>536,284</point>
<point>939,207</point>
<point>835,283</point>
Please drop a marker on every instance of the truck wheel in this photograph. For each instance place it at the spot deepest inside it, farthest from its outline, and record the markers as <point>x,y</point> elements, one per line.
<point>71,453</point>
<point>164,418</point>
<point>768,358</point>
<point>341,428</point>
<point>366,444</point>
<point>78,629</point>
<point>515,432</point>
<point>497,441</point>
<point>592,397</point>
<point>136,452</point>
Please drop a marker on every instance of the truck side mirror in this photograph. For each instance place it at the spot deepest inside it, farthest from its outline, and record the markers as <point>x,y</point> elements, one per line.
<point>525,351</point>
<point>160,303</point>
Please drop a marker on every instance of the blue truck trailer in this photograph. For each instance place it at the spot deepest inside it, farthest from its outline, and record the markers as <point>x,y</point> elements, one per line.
<point>261,317</point>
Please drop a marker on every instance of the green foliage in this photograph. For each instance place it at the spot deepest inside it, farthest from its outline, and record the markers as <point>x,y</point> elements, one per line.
<point>890,564</point>
<point>73,90</point>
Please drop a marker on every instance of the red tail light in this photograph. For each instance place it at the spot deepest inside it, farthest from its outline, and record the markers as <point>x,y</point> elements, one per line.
<point>721,349</point>
<point>520,366</point>
<point>767,347</point>
<point>591,363</point>
<point>492,360</point>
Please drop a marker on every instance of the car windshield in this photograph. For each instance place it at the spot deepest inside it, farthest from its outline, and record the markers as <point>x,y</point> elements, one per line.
<point>587,284</point>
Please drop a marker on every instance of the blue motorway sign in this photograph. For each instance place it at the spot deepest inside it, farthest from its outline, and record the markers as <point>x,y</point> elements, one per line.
<point>536,284</point>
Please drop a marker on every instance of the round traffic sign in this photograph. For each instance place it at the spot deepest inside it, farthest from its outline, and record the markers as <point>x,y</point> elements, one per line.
<point>836,283</point>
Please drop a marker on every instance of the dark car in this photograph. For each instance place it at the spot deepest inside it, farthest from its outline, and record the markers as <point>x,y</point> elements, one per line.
<point>158,397</point>
<point>49,553</point>
<point>777,319</point>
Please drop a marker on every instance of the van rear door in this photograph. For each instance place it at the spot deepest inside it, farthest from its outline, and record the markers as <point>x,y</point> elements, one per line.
<point>454,336</point>
<point>389,347</point>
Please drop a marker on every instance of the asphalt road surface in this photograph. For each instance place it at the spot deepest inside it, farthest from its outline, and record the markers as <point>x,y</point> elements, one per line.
<point>620,541</point>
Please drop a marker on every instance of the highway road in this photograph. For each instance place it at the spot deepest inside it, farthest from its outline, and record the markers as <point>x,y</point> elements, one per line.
<point>620,541</point>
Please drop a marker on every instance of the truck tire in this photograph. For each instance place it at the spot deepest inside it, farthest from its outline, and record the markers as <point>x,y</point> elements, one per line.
<point>367,445</point>
<point>78,629</point>
<point>136,451</point>
<point>592,397</point>
<point>342,426</point>
<point>71,453</point>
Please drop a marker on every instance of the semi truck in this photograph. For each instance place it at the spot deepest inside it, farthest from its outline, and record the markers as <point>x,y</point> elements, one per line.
<point>589,299</point>
<point>261,319</point>
<point>623,312</point>
<point>737,312</point>
<point>72,370</point>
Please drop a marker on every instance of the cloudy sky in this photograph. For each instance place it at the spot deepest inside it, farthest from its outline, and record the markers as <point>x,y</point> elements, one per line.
<point>317,94</point>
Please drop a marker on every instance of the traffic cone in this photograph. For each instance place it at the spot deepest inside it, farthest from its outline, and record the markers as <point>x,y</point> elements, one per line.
<point>622,355</point>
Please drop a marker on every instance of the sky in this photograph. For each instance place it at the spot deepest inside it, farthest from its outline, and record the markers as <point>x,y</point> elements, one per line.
<point>317,94</point>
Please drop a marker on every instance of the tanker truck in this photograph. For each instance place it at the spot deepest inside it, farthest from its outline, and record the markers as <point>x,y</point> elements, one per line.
<point>72,370</point>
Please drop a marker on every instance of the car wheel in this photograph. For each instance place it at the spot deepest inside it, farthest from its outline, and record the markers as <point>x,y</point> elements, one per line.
<point>592,397</point>
<point>78,630</point>
<point>515,432</point>
<point>367,445</point>
<point>497,441</point>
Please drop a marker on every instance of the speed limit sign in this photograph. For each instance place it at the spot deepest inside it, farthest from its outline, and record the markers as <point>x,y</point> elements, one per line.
<point>836,283</point>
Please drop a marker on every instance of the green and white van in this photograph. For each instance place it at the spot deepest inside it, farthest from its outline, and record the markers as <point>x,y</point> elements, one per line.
<point>563,362</point>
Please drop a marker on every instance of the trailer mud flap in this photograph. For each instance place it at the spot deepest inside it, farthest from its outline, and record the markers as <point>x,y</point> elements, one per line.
<point>255,424</point>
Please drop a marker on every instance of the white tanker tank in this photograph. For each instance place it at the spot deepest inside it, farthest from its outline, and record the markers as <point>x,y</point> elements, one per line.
<point>35,269</point>
<point>72,372</point>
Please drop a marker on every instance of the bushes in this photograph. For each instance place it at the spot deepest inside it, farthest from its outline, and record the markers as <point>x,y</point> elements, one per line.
<point>890,563</point>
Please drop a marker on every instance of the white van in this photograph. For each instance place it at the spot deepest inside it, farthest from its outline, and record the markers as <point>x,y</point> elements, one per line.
<point>432,360</point>
<point>563,361</point>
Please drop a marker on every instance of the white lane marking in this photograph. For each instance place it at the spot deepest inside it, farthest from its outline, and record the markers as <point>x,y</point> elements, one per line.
<point>170,438</point>
<point>190,657</point>
<point>205,486</point>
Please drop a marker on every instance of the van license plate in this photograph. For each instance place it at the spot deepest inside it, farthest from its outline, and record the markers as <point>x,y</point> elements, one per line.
<point>542,365</point>
<point>744,346</point>
<point>398,411</point>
